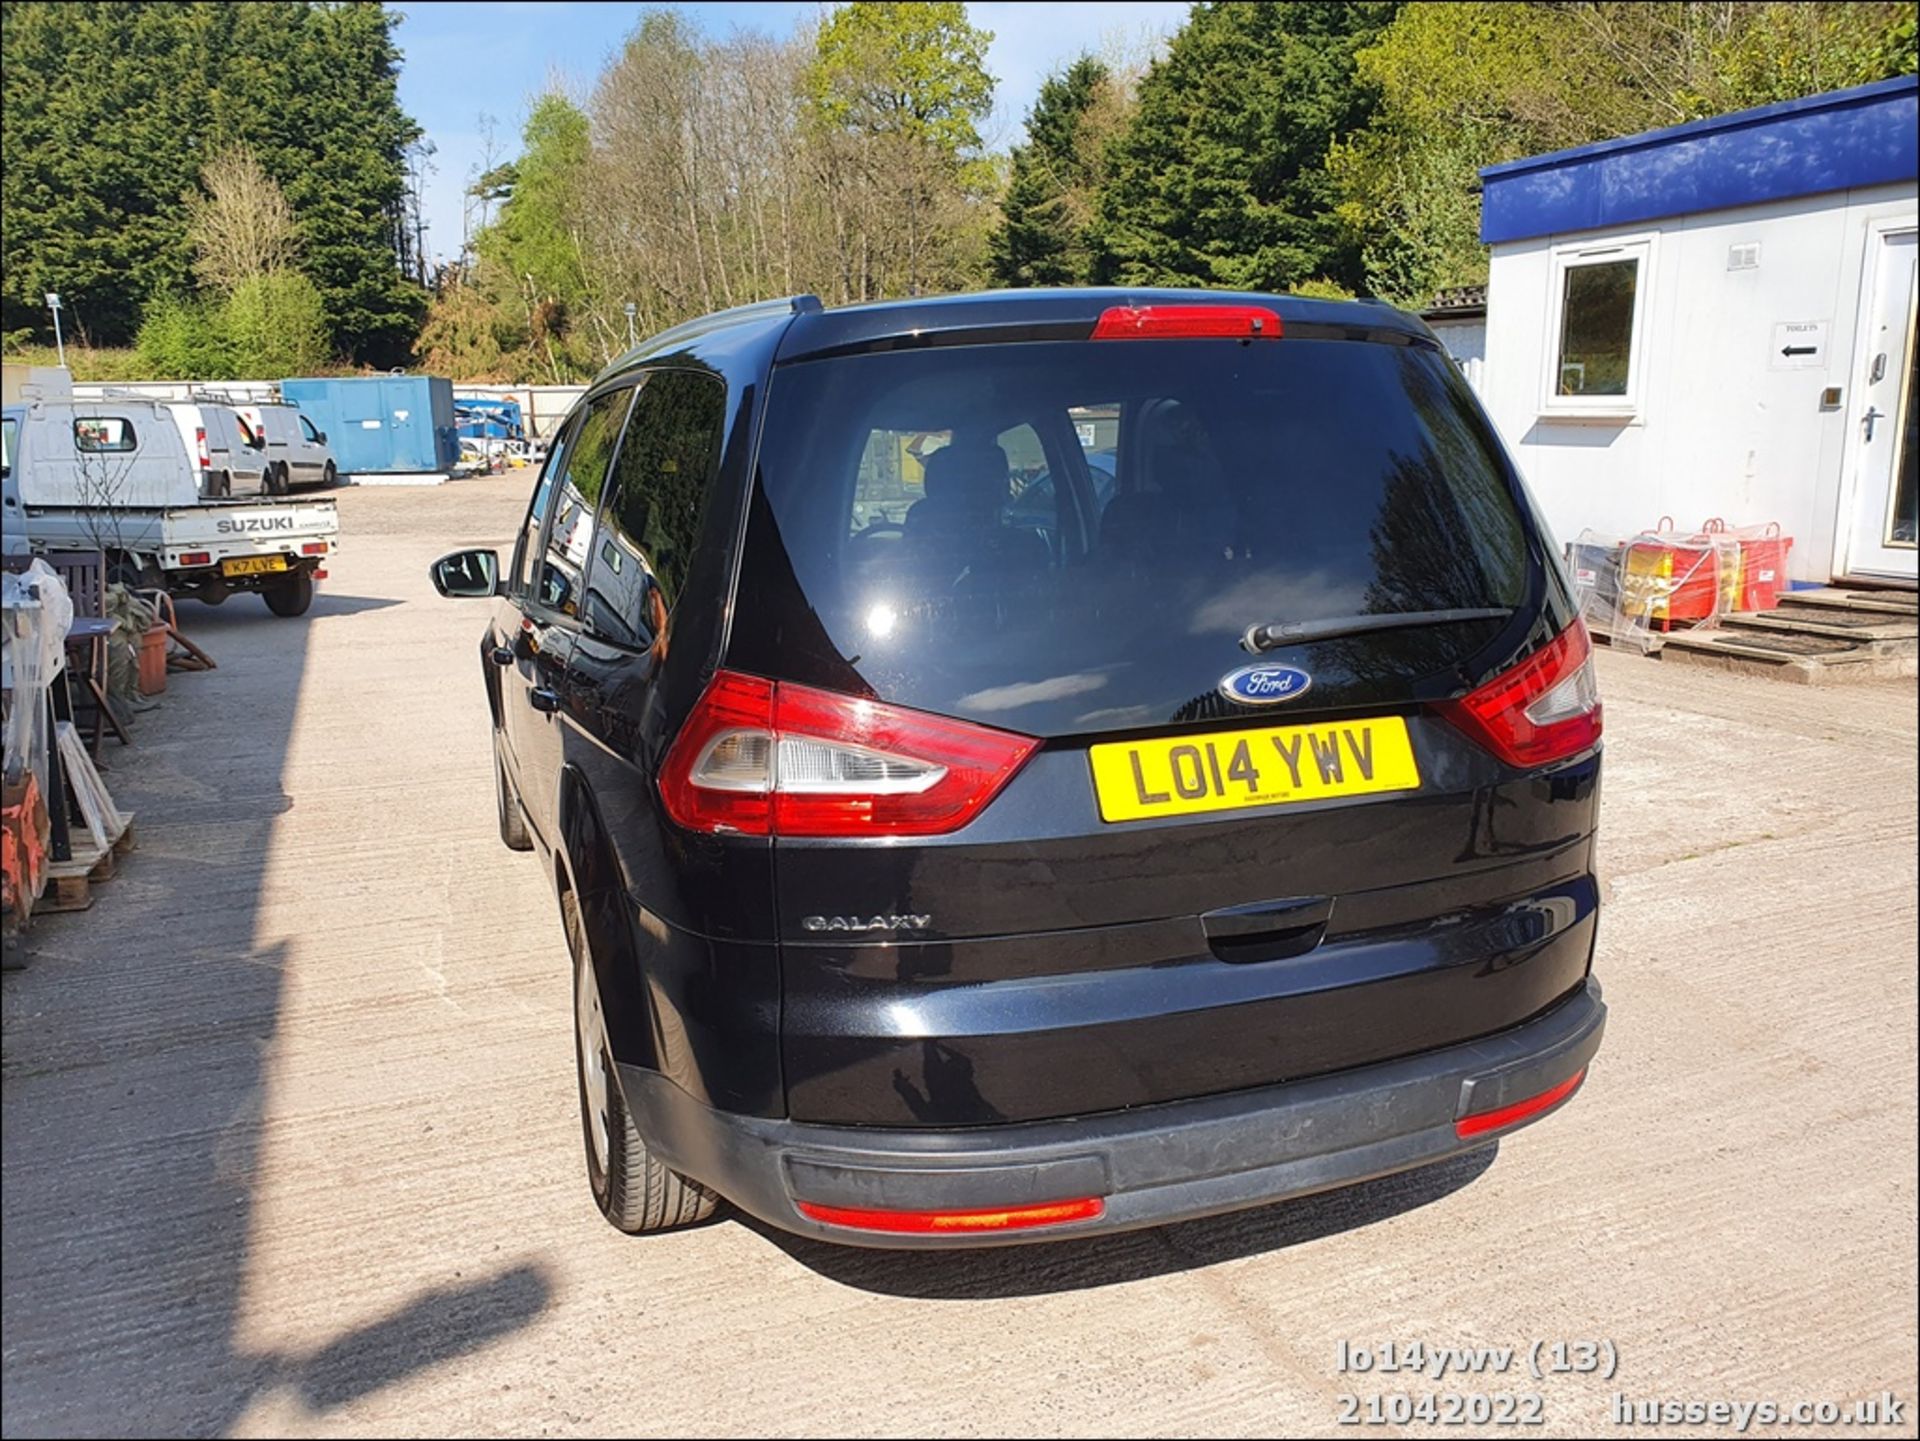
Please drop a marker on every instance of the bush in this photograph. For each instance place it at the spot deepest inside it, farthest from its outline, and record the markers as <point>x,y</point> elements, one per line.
<point>184,340</point>
<point>271,327</point>
<point>275,325</point>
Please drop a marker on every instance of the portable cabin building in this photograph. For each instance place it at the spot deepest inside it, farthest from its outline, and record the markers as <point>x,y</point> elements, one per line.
<point>1717,320</point>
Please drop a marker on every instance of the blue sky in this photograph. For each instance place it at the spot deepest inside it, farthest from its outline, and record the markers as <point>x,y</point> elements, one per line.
<point>463,60</point>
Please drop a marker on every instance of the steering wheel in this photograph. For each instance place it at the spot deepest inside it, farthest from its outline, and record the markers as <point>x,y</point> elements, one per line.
<point>879,527</point>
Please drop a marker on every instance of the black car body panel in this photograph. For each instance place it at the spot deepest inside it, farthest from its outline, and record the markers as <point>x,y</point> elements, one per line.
<point>1040,966</point>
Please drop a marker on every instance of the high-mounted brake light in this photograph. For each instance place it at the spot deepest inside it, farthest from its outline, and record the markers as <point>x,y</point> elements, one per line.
<point>1545,709</point>
<point>951,1223</point>
<point>760,758</point>
<point>1519,1111</point>
<point>1188,322</point>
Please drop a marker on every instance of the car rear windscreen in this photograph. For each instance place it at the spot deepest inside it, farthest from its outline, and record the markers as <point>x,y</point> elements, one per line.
<point>1073,537</point>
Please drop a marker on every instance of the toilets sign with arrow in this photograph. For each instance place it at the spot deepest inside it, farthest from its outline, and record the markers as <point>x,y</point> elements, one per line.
<point>1798,345</point>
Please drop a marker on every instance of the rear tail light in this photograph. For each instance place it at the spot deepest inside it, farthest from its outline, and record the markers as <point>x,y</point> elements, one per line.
<point>200,445</point>
<point>1187,322</point>
<point>1519,1111</point>
<point>1545,709</point>
<point>760,758</point>
<point>313,547</point>
<point>196,557</point>
<point>952,1223</point>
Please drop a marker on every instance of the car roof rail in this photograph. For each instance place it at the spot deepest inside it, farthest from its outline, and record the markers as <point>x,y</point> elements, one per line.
<point>219,395</point>
<point>107,391</point>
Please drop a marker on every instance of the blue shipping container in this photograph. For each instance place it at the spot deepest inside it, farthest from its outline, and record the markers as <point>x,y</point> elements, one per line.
<point>382,423</point>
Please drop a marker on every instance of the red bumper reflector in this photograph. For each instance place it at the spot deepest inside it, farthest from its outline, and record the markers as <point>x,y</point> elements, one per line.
<point>1520,1110</point>
<point>955,1223</point>
<point>1188,322</point>
<point>319,575</point>
<point>197,557</point>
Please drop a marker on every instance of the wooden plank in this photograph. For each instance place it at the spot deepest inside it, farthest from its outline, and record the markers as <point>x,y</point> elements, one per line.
<point>104,820</point>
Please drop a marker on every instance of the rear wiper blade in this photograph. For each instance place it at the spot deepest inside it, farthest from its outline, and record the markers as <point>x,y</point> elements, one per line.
<point>1261,638</point>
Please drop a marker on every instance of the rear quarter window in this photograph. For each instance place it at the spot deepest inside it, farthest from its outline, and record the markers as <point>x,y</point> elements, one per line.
<point>104,434</point>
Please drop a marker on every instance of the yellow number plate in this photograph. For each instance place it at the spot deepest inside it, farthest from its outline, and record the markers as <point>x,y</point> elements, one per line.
<point>253,565</point>
<point>1228,770</point>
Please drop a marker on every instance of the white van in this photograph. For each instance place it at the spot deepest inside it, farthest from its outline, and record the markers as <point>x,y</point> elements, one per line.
<point>114,475</point>
<point>231,459</point>
<point>297,451</point>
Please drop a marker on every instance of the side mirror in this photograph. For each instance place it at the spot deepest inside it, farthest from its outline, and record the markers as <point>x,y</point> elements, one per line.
<point>466,574</point>
<point>323,437</point>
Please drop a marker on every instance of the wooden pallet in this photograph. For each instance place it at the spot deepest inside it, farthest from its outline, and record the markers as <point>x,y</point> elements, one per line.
<point>108,832</point>
<point>70,883</point>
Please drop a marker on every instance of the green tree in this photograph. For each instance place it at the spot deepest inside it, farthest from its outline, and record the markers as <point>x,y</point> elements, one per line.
<point>183,339</point>
<point>111,109</point>
<point>94,160</point>
<point>275,325</point>
<point>1220,178</point>
<point>913,70</point>
<point>528,261</point>
<point>534,235</point>
<point>894,100</point>
<point>1047,212</point>
<point>314,87</point>
<point>1465,85</point>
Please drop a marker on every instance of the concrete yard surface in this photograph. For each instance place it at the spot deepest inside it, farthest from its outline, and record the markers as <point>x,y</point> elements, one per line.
<point>291,1142</point>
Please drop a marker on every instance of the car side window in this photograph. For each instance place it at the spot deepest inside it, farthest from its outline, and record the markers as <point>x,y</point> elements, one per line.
<point>306,429</point>
<point>528,544</point>
<point>577,482</point>
<point>651,523</point>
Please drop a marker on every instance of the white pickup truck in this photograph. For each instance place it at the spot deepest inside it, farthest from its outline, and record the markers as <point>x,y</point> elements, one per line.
<point>113,474</point>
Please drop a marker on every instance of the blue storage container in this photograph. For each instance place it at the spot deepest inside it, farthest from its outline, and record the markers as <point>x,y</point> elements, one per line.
<point>382,423</point>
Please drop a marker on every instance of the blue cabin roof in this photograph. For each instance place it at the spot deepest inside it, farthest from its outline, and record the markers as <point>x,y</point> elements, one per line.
<point>1844,140</point>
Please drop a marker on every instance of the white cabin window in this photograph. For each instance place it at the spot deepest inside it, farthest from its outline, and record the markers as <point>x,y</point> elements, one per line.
<point>1597,341</point>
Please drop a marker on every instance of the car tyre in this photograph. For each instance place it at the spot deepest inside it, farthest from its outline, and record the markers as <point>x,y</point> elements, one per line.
<point>634,1190</point>
<point>276,480</point>
<point>290,597</point>
<point>513,821</point>
<point>332,476</point>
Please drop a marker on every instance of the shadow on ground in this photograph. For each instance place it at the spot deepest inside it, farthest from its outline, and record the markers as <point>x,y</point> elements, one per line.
<point>134,1090</point>
<point>1052,1267</point>
<point>197,616</point>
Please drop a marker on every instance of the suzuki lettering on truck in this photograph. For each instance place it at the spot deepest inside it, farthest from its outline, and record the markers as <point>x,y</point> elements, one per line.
<point>996,788</point>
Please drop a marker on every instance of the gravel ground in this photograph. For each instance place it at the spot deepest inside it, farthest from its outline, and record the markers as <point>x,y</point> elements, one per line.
<point>291,1142</point>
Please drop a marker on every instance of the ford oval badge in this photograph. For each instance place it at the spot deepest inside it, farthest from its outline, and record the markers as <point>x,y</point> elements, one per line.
<point>1265,684</point>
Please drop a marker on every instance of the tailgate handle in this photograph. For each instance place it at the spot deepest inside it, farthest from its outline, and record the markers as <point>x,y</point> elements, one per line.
<point>1268,930</point>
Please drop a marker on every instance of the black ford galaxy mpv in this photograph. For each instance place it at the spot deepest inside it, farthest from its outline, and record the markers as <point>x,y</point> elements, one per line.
<point>1023,765</point>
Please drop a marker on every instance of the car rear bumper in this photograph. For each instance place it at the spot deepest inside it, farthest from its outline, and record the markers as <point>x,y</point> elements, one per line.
<point>1148,1166</point>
